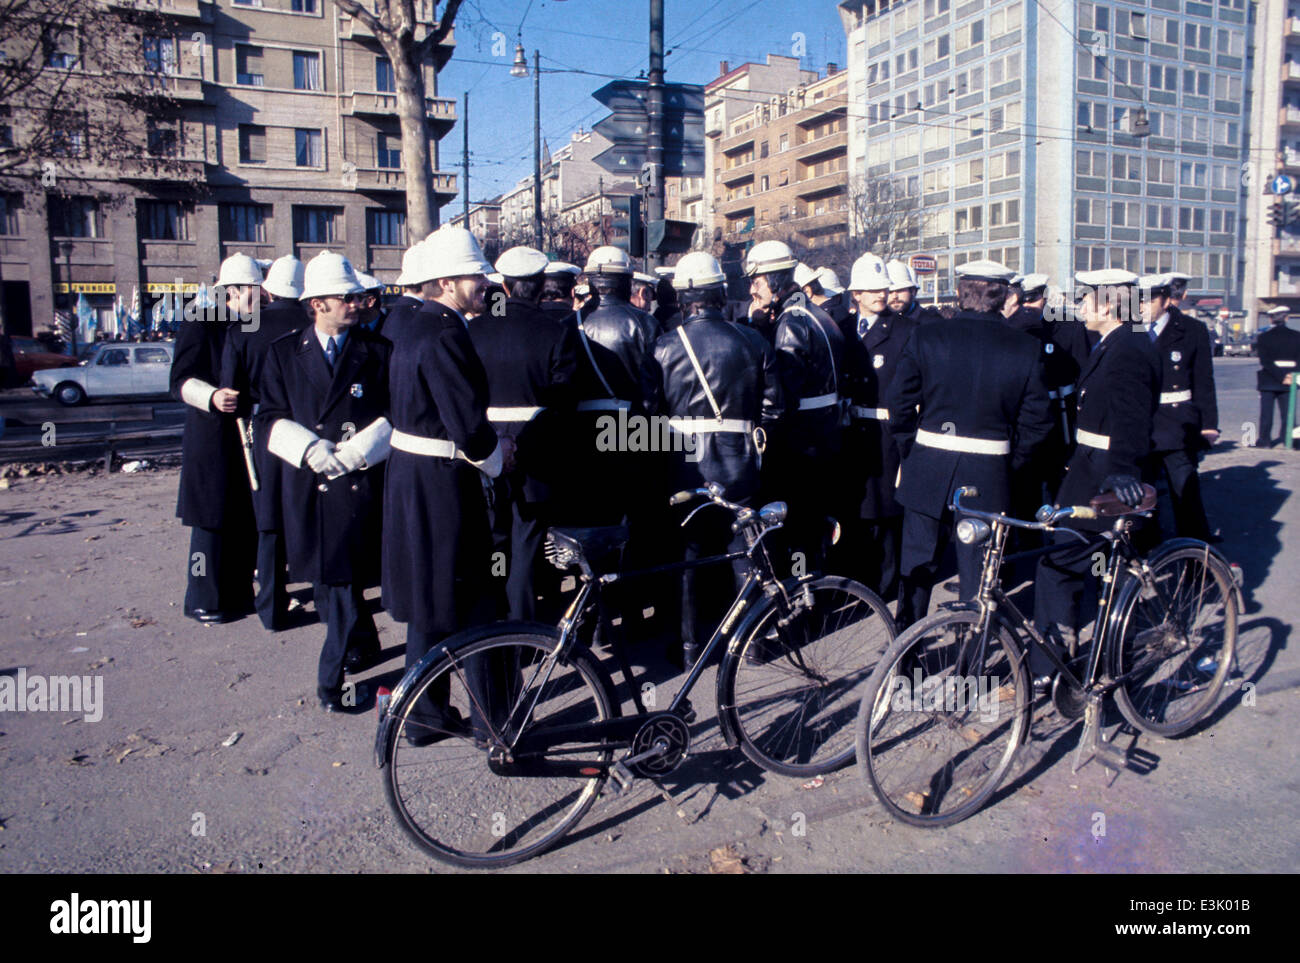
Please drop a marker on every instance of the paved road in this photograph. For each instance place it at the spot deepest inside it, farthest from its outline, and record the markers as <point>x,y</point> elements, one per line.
<point>91,578</point>
<point>25,418</point>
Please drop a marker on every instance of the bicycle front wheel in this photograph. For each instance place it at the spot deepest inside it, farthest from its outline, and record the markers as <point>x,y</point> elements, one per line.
<point>942,718</point>
<point>792,687</point>
<point>453,795</point>
<point>1175,641</point>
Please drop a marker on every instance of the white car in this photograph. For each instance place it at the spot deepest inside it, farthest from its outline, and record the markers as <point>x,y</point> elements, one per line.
<point>114,369</point>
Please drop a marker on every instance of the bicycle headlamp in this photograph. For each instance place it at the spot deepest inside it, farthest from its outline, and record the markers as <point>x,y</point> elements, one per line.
<point>972,531</point>
<point>773,513</point>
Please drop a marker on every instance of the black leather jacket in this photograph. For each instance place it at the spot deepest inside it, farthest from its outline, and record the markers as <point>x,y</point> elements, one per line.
<point>811,355</point>
<point>621,339</point>
<point>741,370</point>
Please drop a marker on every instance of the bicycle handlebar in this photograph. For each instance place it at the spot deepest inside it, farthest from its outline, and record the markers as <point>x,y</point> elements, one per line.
<point>1047,516</point>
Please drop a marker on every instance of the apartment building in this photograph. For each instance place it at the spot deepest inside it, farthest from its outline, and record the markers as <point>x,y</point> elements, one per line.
<point>1019,125</point>
<point>1273,253</point>
<point>485,224</point>
<point>286,127</point>
<point>568,175</point>
<point>780,167</point>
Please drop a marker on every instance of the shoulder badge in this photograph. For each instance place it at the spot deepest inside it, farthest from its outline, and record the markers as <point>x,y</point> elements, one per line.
<point>1175,356</point>
<point>355,391</point>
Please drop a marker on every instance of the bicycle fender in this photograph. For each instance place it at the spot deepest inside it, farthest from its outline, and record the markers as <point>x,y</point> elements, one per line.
<point>1176,543</point>
<point>451,643</point>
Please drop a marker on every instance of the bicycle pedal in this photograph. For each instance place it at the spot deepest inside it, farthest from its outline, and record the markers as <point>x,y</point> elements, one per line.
<point>620,778</point>
<point>686,711</point>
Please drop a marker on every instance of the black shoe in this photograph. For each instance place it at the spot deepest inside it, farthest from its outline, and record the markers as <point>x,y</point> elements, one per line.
<point>1042,685</point>
<point>358,661</point>
<point>331,700</point>
<point>208,616</point>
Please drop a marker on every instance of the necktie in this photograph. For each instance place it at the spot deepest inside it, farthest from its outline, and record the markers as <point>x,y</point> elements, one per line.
<point>1153,334</point>
<point>331,352</point>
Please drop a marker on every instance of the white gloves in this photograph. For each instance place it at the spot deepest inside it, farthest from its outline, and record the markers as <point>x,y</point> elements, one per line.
<point>349,457</point>
<point>320,458</point>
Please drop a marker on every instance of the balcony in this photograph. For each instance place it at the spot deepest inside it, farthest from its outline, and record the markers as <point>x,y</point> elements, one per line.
<point>147,169</point>
<point>823,182</point>
<point>1287,246</point>
<point>190,9</point>
<point>439,110</point>
<point>730,144</point>
<point>182,88</point>
<point>824,144</point>
<point>351,28</point>
<point>1290,72</point>
<point>816,222</point>
<point>380,179</point>
<point>739,173</point>
<point>1289,116</point>
<point>85,251</point>
<point>1291,160</point>
<point>1293,27</point>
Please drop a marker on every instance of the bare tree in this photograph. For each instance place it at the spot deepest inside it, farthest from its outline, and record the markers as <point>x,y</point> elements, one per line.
<point>884,218</point>
<point>394,24</point>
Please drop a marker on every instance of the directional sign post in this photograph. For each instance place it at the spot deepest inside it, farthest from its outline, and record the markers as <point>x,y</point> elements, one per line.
<point>628,128</point>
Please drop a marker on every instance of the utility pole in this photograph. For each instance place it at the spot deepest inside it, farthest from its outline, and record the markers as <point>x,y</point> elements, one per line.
<point>655,109</point>
<point>537,151</point>
<point>465,155</point>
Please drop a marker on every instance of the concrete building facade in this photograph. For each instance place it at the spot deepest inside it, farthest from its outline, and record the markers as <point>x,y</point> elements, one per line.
<point>1019,125</point>
<point>287,127</point>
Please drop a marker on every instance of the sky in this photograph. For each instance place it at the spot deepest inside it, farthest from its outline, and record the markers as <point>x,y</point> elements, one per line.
<point>586,43</point>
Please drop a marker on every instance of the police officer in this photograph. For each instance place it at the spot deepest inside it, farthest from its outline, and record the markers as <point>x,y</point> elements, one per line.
<point>371,313</point>
<point>902,300</point>
<point>643,291</point>
<point>1066,347</point>
<point>870,550</point>
<point>1118,393</point>
<point>1187,419</point>
<point>324,413</point>
<point>1279,357</point>
<point>968,407</point>
<point>437,545</point>
<point>411,279</point>
<point>718,382</point>
<point>556,302</point>
<point>810,354</point>
<point>667,311</point>
<point>214,498</point>
<point>241,370</point>
<point>530,360</point>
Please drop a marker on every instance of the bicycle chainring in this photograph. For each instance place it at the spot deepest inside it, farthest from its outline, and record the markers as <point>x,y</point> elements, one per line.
<point>1068,698</point>
<point>666,728</point>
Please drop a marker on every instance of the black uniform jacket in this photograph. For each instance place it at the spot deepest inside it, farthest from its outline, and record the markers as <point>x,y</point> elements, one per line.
<point>214,488</point>
<point>1118,390</point>
<point>241,368</point>
<point>919,313</point>
<point>437,546</point>
<point>1186,364</point>
<point>872,456</point>
<point>810,354</point>
<point>531,361</point>
<point>974,378</point>
<point>741,370</point>
<point>331,526</point>
<point>621,339</point>
<point>1279,356</point>
<point>399,312</point>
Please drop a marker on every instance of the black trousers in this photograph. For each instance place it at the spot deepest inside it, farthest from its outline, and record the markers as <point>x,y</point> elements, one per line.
<point>519,535</point>
<point>707,591</point>
<point>349,627</point>
<point>1267,401</point>
<point>272,600</point>
<point>925,539</point>
<point>220,570</point>
<point>868,552</point>
<point>1066,587</point>
<point>1179,468</point>
<point>491,684</point>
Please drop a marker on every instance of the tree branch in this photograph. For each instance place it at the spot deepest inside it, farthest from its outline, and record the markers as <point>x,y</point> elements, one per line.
<point>357,12</point>
<point>441,31</point>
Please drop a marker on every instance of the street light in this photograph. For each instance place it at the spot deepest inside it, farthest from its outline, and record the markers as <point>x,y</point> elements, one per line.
<point>520,69</point>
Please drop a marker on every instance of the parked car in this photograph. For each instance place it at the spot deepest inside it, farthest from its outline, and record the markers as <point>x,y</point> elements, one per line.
<point>30,356</point>
<point>115,369</point>
<point>1240,346</point>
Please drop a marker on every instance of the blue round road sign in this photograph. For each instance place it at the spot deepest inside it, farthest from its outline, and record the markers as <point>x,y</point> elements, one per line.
<point>1282,184</point>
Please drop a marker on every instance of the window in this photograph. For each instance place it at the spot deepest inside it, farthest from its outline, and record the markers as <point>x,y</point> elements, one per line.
<point>969,35</point>
<point>936,180</point>
<point>160,55</point>
<point>1231,43</point>
<point>306,71</point>
<point>9,207</point>
<point>1160,171</point>
<point>1191,174</point>
<point>162,139</point>
<point>1196,82</point>
<point>245,222</point>
<point>316,225</point>
<point>1227,87</point>
<point>763,183</point>
<point>1126,167</point>
<point>1004,212</point>
<point>970,172</point>
<point>1191,219</point>
<point>968,218</point>
<point>1006,20</point>
<point>68,137</point>
<point>1164,78</point>
<point>252,144</point>
<point>162,221</point>
<point>1004,68</point>
<point>73,216</point>
<point>1196,36</point>
<point>1125,214</point>
<point>303,6</point>
<point>388,150</point>
<point>60,49</point>
<point>1194,128</point>
<point>1160,216</point>
<point>307,148</point>
<point>386,228</point>
<point>1226,132</point>
<point>936,48</point>
<point>1137,25</point>
<point>114,357</point>
<point>385,82</point>
<point>784,143</point>
<point>935,138</point>
<point>151,355</point>
<point>1090,212</point>
<point>248,65</point>
<point>762,148</point>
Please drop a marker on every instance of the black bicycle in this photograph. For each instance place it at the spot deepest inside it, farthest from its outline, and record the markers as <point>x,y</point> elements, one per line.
<point>537,730</point>
<point>949,705</point>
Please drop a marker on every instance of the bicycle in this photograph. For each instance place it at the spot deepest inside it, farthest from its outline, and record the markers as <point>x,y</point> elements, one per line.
<point>545,723</point>
<point>949,705</point>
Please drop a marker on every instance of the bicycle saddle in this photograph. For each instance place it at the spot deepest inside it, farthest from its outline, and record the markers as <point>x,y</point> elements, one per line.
<point>591,544</point>
<point>1108,505</point>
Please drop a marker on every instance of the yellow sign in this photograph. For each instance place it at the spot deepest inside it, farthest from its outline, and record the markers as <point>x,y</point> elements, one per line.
<point>87,287</point>
<point>167,287</point>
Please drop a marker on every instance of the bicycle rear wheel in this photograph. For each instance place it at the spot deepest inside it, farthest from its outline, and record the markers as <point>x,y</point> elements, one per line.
<point>449,796</point>
<point>791,689</point>
<point>1173,659</point>
<point>942,718</point>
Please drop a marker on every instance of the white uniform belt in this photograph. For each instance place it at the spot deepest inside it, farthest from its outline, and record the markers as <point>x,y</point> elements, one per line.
<point>516,413</point>
<point>971,446</point>
<point>1285,364</point>
<point>1175,397</point>
<point>1063,392</point>
<point>604,404</point>
<point>1092,440</point>
<point>820,401</point>
<point>704,425</point>
<point>875,414</point>
<point>418,445</point>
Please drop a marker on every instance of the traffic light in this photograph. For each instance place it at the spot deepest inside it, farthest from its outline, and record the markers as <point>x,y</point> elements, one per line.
<point>1277,214</point>
<point>627,228</point>
<point>671,237</point>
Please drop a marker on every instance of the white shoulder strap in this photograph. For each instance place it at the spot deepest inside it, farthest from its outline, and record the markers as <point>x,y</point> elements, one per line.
<point>582,336</point>
<point>812,318</point>
<point>699,372</point>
